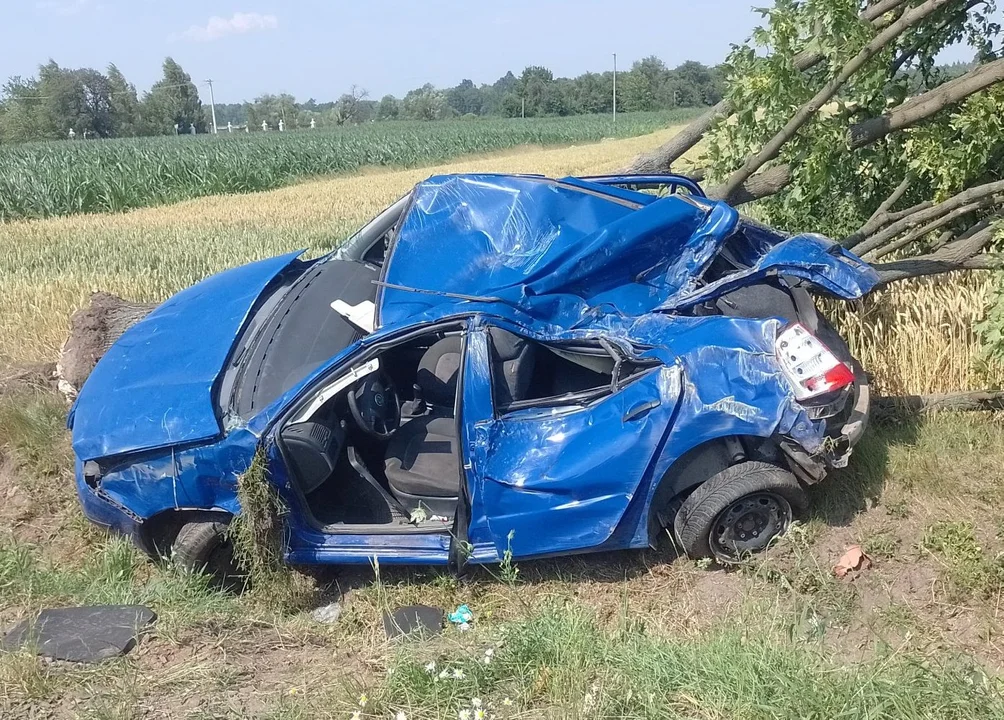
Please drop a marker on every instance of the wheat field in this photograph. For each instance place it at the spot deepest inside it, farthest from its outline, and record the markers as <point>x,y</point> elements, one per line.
<point>916,337</point>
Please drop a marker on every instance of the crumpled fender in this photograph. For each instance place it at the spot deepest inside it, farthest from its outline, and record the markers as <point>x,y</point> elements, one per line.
<point>813,258</point>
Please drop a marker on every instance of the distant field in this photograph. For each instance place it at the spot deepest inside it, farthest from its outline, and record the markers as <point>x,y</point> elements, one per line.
<point>47,179</point>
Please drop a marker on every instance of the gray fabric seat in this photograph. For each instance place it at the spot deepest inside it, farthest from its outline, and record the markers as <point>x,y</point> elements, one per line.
<point>423,459</point>
<point>423,456</point>
<point>437,373</point>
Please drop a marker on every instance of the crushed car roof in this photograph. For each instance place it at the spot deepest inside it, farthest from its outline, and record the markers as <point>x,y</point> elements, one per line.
<point>571,251</point>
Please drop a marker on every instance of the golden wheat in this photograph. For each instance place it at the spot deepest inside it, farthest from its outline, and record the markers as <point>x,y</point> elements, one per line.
<point>917,336</point>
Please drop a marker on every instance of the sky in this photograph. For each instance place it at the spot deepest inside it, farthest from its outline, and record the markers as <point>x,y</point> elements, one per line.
<point>320,48</point>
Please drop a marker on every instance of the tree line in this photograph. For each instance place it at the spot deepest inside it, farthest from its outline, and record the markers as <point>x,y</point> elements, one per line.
<point>94,104</point>
<point>82,102</point>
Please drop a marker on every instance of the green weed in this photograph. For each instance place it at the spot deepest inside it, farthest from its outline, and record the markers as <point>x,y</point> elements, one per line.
<point>968,570</point>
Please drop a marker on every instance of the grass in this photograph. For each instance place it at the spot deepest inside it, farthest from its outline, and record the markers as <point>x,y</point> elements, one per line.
<point>625,635</point>
<point>256,533</point>
<point>968,569</point>
<point>47,179</point>
<point>561,660</point>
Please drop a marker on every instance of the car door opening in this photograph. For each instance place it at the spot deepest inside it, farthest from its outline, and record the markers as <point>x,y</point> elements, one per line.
<point>378,444</point>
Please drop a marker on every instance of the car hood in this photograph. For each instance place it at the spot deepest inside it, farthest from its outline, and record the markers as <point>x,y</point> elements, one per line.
<point>154,386</point>
<point>569,254</point>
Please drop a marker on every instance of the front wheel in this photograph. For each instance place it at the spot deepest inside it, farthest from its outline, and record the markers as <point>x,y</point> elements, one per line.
<point>204,547</point>
<point>738,511</point>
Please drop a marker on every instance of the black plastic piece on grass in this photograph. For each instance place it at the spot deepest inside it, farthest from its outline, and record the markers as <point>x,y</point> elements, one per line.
<point>82,634</point>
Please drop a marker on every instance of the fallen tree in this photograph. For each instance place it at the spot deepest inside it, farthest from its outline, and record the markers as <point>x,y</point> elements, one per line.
<point>835,116</point>
<point>835,120</point>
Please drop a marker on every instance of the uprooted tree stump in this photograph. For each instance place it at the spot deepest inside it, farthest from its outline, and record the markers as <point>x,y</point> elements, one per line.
<point>93,329</point>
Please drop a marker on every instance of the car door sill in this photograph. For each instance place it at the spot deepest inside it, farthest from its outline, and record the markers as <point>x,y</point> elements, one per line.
<point>426,528</point>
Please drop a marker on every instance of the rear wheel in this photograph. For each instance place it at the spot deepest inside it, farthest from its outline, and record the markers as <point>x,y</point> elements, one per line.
<point>738,511</point>
<point>204,547</point>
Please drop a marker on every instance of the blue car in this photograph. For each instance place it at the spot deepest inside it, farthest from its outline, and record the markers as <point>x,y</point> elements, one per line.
<point>493,364</point>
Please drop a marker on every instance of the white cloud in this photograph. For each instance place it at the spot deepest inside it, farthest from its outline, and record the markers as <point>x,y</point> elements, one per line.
<point>239,24</point>
<point>66,7</point>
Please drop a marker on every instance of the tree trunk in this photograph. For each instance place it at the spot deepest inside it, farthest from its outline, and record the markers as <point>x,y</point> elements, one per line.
<point>93,329</point>
<point>925,105</point>
<point>958,401</point>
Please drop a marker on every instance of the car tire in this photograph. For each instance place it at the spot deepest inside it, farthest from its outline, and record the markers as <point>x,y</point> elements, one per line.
<point>204,547</point>
<point>738,511</point>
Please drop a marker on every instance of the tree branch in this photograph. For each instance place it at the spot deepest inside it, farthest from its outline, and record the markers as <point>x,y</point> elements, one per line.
<point>763,184</point>
<point>920,217</point>
<point>663,157</point>
<point>876,10</point>
<point>773,147</point>
<point>660,159</point>
<point>925,105</point>
<point>932,226</point>
<point>878,218</point>
<point>958,401</point>
<point>911,51</point>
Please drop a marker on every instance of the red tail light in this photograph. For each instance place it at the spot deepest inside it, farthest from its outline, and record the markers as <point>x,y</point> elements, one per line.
<point>808,364</point>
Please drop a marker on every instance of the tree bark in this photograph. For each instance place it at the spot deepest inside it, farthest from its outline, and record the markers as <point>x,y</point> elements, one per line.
<point>925,105</point>
<point>876,10</point>
<point>945,260</point>
<point>958,401</point>
<point>882,211</point>
<point>773,147</point>
<point>665,155</point>
<point>878,221</point>
<point>763,184</point>
<point>93,329</point>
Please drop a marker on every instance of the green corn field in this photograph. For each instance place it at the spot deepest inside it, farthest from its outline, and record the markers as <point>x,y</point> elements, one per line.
<point>67,177</point>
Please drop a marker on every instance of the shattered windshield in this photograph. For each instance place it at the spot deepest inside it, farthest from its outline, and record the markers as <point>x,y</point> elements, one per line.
<point>301,333</point>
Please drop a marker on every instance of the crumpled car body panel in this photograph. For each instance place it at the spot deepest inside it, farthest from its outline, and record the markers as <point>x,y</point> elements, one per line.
<point>552,261</point>
<point>153,388</point>
<point>568,256</point>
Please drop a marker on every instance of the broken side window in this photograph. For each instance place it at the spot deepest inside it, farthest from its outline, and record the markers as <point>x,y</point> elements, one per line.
<point>527,373</point>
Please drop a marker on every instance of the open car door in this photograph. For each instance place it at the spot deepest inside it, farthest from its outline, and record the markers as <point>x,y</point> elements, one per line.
<point>557,474</point>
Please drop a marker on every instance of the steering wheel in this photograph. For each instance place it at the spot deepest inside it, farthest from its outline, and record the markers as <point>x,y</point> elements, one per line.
<point>374,405</point>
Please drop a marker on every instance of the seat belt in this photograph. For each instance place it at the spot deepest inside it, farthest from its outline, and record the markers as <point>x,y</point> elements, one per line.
<point>358,466</point>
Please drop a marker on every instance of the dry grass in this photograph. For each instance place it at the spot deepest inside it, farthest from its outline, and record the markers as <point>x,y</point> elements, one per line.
<point>916,337</point>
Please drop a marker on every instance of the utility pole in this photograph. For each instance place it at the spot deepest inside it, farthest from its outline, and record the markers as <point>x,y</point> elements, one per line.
<point>212,103</point>
<point>615,88</point>
<point>522,111</point>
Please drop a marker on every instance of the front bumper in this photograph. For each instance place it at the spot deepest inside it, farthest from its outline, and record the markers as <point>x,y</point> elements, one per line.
<point>105,512</point>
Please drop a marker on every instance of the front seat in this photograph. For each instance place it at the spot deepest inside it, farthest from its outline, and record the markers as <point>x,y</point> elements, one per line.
<point>422,463</point>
